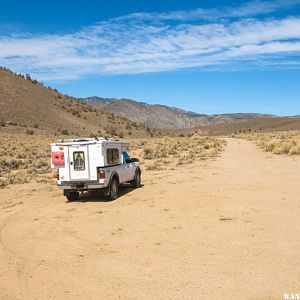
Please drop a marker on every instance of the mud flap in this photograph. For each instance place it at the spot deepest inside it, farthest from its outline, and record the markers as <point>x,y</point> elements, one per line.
<point>67,192</point>
<point>105,191</point>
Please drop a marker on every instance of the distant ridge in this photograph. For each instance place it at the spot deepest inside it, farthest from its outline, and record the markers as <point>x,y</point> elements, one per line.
<point>161,116</point>
<point>256,125</point>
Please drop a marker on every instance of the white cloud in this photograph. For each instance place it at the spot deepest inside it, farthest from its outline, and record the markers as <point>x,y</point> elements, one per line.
<point>141,43</point>
<point>248,9</point>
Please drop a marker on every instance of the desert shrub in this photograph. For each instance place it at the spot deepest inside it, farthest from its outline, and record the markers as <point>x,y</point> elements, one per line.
<point>64,131</point>
<point>172,151</point>
<point>154,167</point>
<point>294,150</point>
<point>76,113</point>
<point>31,170</point>
<point>18,178</point>
<point>29,132</point>
<point>3,183</point>
<point>112,131</point>
<point>10,164</point>
<point>284,148</point>
<point>180,161</point>
<point>41,163</point>
<point>14,164</point>
<point>12,123</point>
<point>148,153</point>
<point>4,163</point>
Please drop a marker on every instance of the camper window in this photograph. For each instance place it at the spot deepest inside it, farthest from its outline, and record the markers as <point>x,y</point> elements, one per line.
<point>112,156</point>
<point>78,158</point>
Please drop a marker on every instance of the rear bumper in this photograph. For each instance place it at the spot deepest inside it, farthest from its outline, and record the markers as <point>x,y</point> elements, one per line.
<point>80,185</point>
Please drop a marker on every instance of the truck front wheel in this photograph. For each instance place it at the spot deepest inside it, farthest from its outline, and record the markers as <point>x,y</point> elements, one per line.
<point>136,182</point>
<point>72,196</point>
<point>113,189</point>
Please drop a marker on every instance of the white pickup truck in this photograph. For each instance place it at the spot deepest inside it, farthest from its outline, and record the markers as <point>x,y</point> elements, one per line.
<point>93,163</point>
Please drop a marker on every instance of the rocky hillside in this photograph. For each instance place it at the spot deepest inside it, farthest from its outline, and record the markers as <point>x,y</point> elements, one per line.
<point>26,103</point>
<point>160,116</point>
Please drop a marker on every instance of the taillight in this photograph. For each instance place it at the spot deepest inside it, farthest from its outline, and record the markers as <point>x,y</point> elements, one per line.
<point>101,174</point>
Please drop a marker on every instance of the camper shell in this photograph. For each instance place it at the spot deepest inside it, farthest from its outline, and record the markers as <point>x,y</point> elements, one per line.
<point>93,163</point>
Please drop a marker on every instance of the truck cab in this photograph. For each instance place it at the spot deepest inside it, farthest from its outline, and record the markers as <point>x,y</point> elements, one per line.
<point>93,163</point>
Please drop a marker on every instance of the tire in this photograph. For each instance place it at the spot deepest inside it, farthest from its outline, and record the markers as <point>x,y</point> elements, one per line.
<point>73,196</point>
<point>113,189</point>
<point>136,183</point>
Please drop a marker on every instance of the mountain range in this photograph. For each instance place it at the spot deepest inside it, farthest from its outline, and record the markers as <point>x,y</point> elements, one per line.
<point>161,116</point>
<point>27,104</point>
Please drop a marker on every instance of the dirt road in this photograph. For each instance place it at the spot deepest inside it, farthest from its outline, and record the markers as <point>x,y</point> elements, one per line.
<point>223,229</point>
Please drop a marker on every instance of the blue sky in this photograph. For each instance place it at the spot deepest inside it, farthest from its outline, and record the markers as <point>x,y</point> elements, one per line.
<point>204,56</point>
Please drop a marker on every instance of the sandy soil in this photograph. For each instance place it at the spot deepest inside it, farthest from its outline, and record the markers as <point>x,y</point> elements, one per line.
<point>223,229</point>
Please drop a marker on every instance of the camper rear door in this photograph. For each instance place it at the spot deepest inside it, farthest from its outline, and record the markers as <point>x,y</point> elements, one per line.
<point>79,163</point>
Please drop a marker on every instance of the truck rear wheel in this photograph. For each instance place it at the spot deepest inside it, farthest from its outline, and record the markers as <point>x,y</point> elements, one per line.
<point>113,189</point>
<point>136,182</point>
<point>72,196</point>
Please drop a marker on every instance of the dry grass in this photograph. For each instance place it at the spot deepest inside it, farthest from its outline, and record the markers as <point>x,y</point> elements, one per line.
<point>278,143</point>
<point>26,157</point>
<point>167,153</point>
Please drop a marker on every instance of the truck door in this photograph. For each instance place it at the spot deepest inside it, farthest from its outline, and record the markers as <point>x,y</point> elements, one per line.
<point>79,163</point>
<point>129,166</point>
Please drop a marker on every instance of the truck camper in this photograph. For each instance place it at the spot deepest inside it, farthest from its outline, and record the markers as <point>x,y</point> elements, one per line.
<point>88,164</point>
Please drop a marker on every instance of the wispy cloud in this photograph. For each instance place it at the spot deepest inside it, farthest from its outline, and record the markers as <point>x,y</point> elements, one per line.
<point>249,9</point>
<point>221,39</point>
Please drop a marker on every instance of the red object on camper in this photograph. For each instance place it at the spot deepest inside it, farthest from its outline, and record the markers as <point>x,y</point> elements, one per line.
<point>58,158</point>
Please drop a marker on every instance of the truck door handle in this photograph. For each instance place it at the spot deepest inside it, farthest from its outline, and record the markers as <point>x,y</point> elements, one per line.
<point>71,163</point>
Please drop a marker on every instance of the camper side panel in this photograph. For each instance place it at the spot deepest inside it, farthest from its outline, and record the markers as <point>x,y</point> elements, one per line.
<point>96,160</point>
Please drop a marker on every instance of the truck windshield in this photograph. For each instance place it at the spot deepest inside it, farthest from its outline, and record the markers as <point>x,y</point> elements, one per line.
<point>125,156</point>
